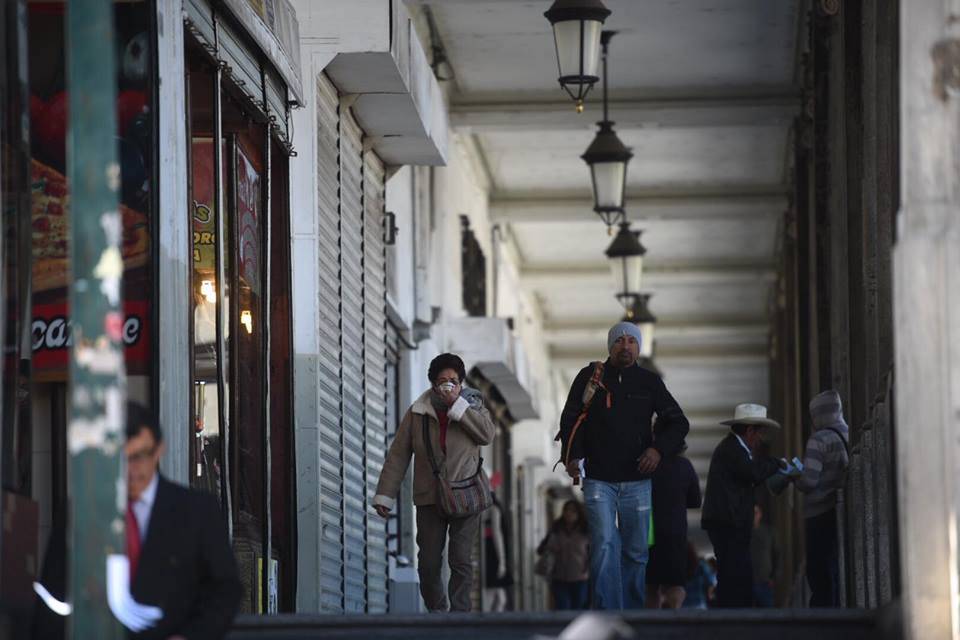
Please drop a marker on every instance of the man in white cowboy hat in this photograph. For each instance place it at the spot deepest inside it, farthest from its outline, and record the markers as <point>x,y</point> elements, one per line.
<point>735,469</point>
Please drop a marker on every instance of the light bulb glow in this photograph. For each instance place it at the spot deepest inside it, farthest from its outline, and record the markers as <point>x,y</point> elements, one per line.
<point>208,290</point>
<point>246,319</point>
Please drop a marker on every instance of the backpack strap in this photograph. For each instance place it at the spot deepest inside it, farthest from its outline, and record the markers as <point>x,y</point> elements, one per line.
<point>595,382</point>
<point>426,442</point>
<point>433,461</point>
<point>846,447</point>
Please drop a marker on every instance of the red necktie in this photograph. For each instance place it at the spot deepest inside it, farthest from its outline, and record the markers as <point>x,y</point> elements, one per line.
<point>133,541</point>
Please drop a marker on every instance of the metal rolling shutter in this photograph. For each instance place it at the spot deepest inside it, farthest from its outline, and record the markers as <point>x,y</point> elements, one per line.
<point>375,366</point>
<point>331,466</point>
<point>351,371</point>
<point>243,65</point>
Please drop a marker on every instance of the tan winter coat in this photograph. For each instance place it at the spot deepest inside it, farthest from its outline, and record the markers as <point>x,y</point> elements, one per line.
<point>467,430</point>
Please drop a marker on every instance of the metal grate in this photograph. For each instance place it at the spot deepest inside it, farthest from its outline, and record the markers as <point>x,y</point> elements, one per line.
<point>351,372</point>
<point>328,328</point>
<point>199,16</point>
<point>375,365</point>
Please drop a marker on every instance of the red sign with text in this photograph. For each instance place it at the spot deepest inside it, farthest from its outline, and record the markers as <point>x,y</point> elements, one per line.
<point>50,337</point>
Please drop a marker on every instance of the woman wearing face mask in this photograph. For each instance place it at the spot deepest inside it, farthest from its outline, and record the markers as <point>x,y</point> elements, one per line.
<point>457,425</point>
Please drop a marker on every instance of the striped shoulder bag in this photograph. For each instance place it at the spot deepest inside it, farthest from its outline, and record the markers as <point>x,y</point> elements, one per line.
<point>460,498</point>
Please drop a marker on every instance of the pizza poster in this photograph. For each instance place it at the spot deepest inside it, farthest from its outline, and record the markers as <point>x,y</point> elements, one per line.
<point>51,339</point>
<point>50,224</point>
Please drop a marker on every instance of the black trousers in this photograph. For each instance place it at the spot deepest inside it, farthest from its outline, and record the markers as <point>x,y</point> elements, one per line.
<point>823,571</point>
<point>731,545</point>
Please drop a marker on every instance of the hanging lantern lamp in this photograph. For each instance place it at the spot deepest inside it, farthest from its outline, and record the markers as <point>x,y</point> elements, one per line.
<point>639,314</point>
<point>607,158</point>
<point>576,35</point>
<point>626,263</point>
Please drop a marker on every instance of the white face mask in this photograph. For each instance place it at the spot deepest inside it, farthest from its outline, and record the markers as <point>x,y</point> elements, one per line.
<point>446,387</point>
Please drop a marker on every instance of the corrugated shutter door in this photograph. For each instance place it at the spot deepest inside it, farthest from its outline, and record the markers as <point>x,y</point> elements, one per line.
<point>331,466</point>
<point>351,371</point>
<point>375,366</point>
<point>199,17</point>
<point>243,65</point>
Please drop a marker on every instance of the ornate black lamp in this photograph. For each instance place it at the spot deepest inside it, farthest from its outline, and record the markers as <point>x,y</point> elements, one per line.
<point>626,263</point>
<point>639,314</point>
<point>576,35</point>
<point>607,158</point>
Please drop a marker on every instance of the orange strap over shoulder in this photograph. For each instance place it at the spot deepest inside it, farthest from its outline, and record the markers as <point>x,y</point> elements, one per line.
<point>588,392</point>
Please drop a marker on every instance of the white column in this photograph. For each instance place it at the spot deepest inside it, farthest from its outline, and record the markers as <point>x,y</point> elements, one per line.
<point>174,246</point>
<point>927,318</point>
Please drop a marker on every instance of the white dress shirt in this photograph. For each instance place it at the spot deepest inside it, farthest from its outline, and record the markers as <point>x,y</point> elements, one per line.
<point>743,444</point>
<point>143,506</point>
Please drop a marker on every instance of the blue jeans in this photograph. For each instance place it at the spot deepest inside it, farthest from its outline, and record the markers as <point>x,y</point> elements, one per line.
<point>618,557</point>
<point>762,595</point>
<point>570,595</point>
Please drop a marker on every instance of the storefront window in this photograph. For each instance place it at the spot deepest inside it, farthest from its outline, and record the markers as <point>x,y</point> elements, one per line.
<point>14,209</point>
<point>283,516</point>
<point>247,208</point>
<point>235,428</point>
<point>50,196</point>
<point>35,210</point>
<point>207,454</point>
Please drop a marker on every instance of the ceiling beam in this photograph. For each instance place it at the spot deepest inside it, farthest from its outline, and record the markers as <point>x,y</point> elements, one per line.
<point>681,205</point>
<point>596,332</point>
<point>703,108</point>
<point>654,276</point>
<point>578,358</point>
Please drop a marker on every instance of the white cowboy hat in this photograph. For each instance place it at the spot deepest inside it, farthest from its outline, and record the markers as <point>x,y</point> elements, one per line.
<point>755,414</point>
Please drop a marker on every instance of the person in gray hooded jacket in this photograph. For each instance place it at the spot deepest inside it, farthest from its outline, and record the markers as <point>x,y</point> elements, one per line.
<point>824,472</point>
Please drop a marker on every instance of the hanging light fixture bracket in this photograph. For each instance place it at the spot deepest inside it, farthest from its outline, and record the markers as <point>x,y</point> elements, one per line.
<point>607,157</point>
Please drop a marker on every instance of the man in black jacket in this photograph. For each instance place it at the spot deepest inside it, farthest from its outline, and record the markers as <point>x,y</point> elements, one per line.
<point>177,548</point>
<point>185,565</point>
<point>735,469</point>
<point>608,441</point>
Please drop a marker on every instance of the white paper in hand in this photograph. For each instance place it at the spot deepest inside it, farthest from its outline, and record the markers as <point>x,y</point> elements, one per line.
<point>133,615</point>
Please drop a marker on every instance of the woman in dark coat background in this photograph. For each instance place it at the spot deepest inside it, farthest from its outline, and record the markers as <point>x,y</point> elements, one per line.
<point>569,542</point>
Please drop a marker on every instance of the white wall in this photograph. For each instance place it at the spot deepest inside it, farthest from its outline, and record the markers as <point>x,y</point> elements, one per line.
<point>462,188</point>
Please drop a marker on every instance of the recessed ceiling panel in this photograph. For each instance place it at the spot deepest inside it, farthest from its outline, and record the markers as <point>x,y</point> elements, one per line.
<point>677,303</point>
<point>707,156</point>
<point>583,243</point>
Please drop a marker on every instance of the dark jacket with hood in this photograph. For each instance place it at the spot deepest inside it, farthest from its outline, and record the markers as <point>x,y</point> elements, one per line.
<point>618,427</point>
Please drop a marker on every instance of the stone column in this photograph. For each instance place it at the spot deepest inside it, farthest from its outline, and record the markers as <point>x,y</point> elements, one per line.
<point>927,317</point>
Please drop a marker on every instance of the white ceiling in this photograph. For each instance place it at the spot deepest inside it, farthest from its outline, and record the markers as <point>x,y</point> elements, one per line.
<point>730,156</point>
<point>706,91</point>
<point>578,244</point>
<point>506,45</point>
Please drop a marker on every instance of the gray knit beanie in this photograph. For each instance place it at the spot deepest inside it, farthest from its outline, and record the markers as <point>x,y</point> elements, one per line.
<point>622,329</point>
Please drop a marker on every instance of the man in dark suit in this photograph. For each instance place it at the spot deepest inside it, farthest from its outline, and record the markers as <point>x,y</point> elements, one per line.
<point>735,469</point>
<point>176,542</point>
<point>180,557</point>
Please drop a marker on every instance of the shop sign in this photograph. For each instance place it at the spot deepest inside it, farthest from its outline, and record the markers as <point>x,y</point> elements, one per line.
<point>204,224</point>
<point>51,338</point>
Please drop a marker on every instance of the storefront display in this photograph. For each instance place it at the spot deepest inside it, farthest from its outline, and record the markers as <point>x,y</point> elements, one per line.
<point>241,314</point>
<point>240,274</point>
<point>50,196</point>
